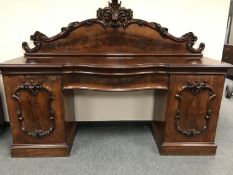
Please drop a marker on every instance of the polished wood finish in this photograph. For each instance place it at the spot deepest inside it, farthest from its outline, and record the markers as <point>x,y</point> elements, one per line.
<point>196,117</point>
<point>41,116</point>
<point>113,52</point>
<point>114,31</point>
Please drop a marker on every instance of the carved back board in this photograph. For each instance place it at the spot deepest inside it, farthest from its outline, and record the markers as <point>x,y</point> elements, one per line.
<point>113,32</point>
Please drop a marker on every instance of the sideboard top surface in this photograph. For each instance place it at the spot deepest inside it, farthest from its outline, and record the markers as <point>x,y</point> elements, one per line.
<point>116,62</point>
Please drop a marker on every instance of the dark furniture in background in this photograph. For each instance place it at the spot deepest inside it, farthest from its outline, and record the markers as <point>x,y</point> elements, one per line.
<point>2,118</point>
<point>113,52</point>
<point>228,58</point>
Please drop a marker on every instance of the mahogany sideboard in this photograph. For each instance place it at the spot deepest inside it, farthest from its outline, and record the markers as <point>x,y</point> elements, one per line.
<point>113,52</point>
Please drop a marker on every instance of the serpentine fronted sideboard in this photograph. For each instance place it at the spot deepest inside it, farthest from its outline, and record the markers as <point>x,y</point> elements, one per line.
<point>113,52</point>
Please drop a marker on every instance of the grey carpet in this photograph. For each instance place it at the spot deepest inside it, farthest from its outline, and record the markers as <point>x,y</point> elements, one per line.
<point>121,150</point>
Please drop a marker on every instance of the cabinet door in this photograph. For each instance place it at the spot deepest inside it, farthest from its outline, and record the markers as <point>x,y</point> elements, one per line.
<point>193,107</point>
<point>35,108</point>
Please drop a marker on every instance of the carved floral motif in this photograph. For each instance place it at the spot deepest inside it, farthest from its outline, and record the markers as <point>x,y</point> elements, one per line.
<point>114,16</point>
<point>33,88</point>
<point>195,89</point>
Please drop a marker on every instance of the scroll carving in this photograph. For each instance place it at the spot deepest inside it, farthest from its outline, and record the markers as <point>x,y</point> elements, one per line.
<point>33,88</point>
<point>194,89</point>
<point>113,16</point>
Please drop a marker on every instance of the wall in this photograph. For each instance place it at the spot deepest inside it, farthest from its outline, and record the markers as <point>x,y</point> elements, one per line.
<point>19,19</point>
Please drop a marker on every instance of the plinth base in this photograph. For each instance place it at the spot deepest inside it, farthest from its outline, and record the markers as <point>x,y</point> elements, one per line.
<point>45,150</point>
<point>180,148</point>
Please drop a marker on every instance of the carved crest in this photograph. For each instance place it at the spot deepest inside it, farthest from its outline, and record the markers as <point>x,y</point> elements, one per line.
<point>33,88</point>
<point>195,89</point>
<point>114,16</point>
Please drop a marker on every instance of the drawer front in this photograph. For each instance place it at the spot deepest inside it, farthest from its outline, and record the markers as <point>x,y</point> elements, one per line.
<point>116,82</point>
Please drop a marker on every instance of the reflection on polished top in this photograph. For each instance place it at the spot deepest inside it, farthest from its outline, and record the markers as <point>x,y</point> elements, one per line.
<point>115,62</point>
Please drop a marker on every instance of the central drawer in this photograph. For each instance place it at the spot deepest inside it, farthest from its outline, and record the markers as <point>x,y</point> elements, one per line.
<point>115,82</point>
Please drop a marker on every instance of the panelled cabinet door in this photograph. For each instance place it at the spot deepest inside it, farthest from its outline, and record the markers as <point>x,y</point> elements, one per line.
<point>35,108</point>
<point>193,110</point>
<point>35,113</point>
<point>194,102</point>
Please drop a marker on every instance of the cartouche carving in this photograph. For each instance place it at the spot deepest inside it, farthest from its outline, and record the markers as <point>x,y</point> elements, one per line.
<point>113,16</point>
<point>195,89</point>
<point>33,88</point>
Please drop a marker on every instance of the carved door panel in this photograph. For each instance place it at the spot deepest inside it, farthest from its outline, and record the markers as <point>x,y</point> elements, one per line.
<point>35,108</point>
<point>194,108</point>
<point>35,113</point>
<point>194,102</point>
